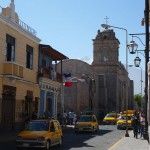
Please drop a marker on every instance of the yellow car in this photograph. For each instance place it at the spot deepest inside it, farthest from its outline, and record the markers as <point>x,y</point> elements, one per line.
<point>110,118</point>
<point>86,123</point>
<point>40,134</point>
<point>121,123</point>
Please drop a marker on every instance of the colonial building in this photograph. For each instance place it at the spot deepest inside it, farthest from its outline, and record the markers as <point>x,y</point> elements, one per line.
<point>49,80</point>
<point>113,89</point>
<point>19,91</point>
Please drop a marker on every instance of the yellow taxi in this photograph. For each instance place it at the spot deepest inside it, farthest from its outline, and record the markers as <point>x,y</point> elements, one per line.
<point>42,133</point>
<point>110,118</point>
<point>86,123</point>
<point>121,123</point>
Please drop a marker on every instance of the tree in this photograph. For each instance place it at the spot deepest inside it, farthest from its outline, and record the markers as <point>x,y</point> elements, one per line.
<point>138,99</point>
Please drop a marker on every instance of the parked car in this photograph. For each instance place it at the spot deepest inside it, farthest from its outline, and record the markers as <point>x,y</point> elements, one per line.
<point>121,123</point>
<point>110,118</point>
<point>42,133</point>
<point>86,123</point>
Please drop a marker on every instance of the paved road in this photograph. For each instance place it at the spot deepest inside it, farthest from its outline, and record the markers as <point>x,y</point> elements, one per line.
<point>102,140</point>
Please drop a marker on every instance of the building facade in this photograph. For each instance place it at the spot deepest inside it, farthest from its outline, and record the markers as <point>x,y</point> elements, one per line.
<point>112,75</point>
<point>29,81</point>
<point>50,81</point>
<point>19,91</point>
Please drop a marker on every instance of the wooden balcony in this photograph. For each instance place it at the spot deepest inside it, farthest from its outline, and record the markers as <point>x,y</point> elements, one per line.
<point>46,73</point>
<point>13,69</point>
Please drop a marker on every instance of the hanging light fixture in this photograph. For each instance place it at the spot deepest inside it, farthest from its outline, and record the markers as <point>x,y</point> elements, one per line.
<point>137,61</point>
<point>132,46</point>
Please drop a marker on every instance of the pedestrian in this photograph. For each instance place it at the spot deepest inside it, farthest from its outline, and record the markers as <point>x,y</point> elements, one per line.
<point>74,118</point>
<point>71,116</point>
<point>142,123</point>
<point>64,119</point>
<point>135,124</point>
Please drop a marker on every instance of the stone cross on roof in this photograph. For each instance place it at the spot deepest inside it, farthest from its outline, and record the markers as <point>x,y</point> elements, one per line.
<point>106,19</point>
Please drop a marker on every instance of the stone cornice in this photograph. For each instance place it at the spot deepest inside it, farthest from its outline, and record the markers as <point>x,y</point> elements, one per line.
<point>18,28</point>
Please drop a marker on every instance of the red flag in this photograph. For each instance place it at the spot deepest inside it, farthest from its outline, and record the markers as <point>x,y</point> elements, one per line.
<point>68,79</point>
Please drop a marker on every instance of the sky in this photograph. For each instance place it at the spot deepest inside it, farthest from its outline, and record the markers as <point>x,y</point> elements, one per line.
<point>70,25</point>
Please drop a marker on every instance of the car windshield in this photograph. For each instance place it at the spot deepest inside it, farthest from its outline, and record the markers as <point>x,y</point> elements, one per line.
<point>110,115</point>
<point>124,117</point>
<point>38,126</point>
<point>85,119</point>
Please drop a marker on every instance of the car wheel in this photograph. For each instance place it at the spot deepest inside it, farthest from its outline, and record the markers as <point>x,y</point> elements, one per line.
<point>47,145</point>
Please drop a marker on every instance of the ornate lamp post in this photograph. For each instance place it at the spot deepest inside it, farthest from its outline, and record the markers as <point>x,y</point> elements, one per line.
<point>137,61</point>
<point>106,26</point>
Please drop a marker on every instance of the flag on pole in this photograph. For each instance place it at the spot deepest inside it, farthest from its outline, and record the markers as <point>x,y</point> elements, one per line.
<point>68,79</point>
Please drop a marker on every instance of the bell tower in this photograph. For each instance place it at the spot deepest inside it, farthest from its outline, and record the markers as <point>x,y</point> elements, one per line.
<point>105,48</point>
<point>107,67</point>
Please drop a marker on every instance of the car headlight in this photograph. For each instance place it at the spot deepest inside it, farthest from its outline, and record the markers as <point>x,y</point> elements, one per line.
<point>41,139</point>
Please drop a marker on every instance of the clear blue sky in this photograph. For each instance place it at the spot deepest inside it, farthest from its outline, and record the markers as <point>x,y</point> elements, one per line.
<point>70,25</point>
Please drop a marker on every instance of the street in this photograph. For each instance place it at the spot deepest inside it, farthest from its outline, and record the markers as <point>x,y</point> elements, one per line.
<point>101,140</point>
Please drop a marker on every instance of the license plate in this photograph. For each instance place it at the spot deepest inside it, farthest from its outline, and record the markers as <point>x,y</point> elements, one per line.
<point>26,144</point>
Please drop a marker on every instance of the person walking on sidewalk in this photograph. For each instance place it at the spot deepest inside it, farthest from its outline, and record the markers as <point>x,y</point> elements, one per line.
<point>135,124</point>
<point>64,119</point>
<point>142,123</point>
<point>71,116</point>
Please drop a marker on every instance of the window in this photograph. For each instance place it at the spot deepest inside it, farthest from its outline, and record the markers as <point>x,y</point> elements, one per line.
<point>10,54</point>
<point>29,57</point>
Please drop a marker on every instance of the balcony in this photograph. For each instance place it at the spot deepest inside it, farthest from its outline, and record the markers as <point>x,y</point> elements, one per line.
<point>47,73</point>
<point>13,69</point>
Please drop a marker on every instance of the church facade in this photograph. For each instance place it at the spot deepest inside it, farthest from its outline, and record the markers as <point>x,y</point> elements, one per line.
<point>113,90</point>
<point>112,76</point>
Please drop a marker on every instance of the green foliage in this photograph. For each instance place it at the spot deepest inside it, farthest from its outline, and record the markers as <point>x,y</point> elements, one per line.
<point>138,99</point>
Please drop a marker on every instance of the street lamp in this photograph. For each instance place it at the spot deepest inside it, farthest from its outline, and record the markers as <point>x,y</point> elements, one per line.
<point>137,61</point>
<point>106,26</point>
<point>146,19</point>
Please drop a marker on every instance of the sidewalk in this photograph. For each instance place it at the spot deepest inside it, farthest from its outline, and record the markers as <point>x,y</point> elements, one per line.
<point>131,143</point>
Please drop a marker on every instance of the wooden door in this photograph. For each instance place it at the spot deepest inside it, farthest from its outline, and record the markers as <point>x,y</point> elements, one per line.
<point>8,115</point>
